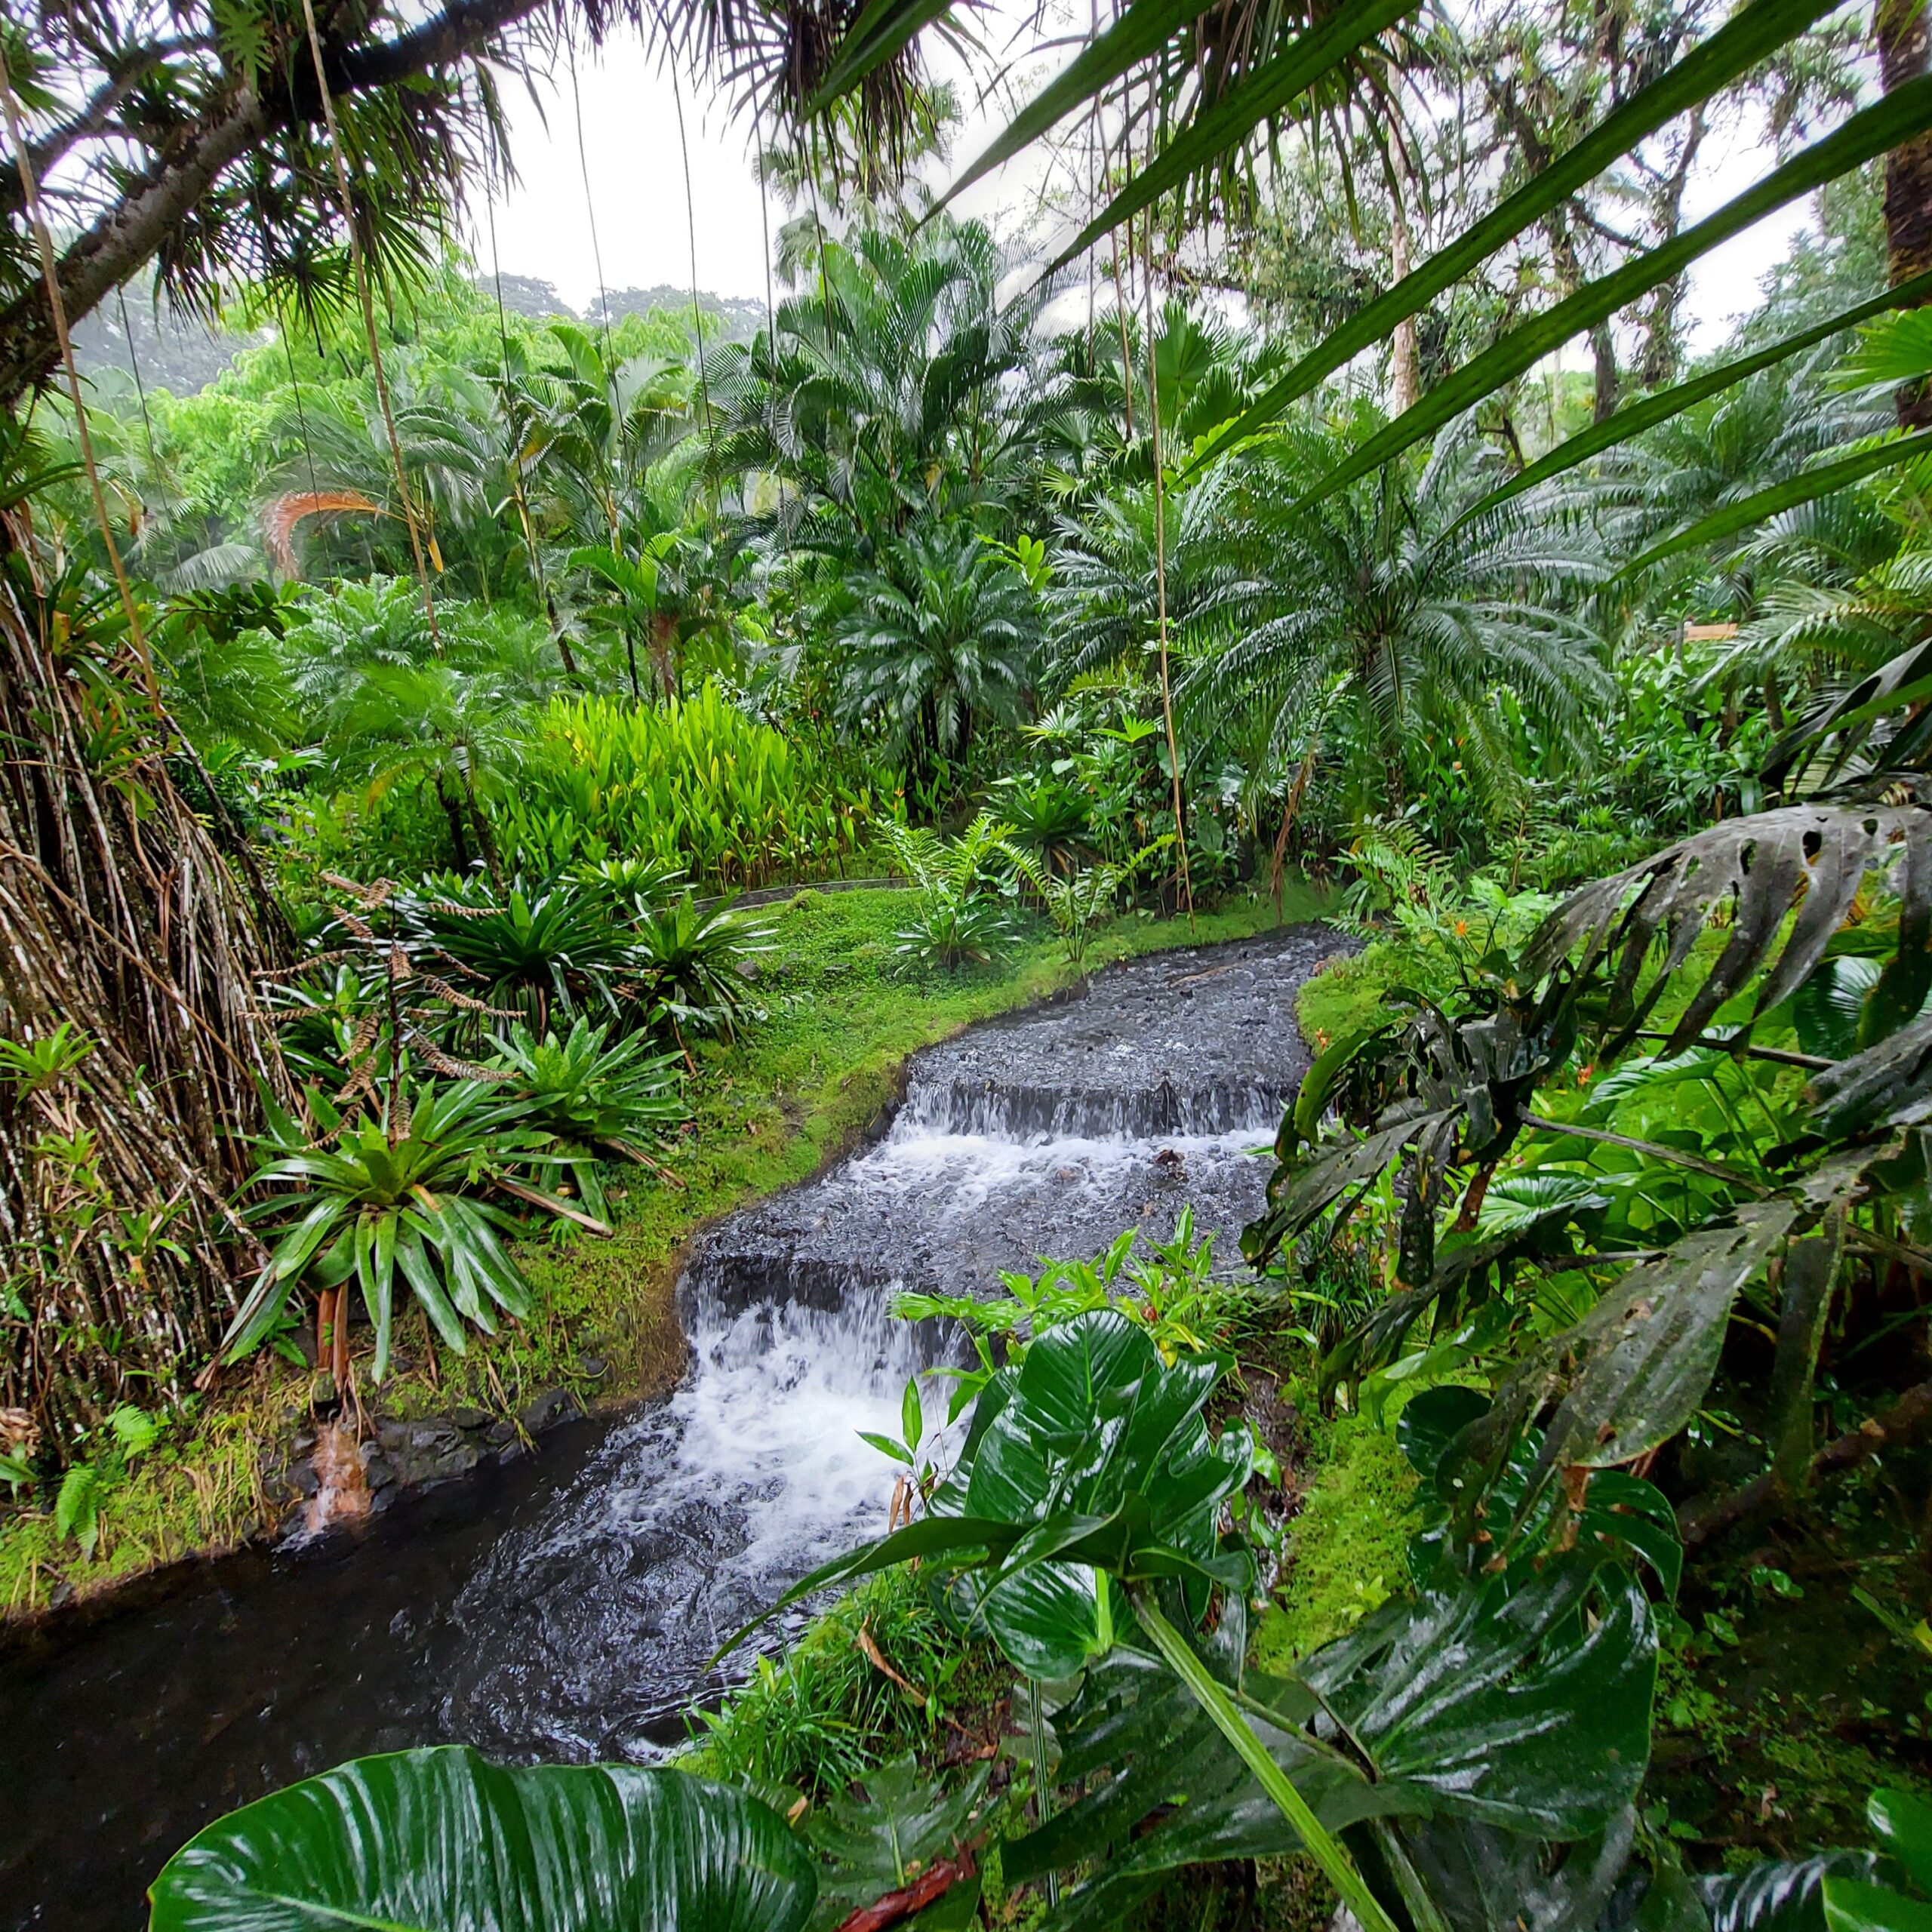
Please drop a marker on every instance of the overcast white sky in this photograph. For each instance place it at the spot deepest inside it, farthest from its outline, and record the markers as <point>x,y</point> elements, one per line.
<point>637,187</point>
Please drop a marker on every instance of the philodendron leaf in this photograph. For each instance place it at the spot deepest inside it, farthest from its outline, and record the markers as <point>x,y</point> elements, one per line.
<point>440,1841</point>
<point>1161,1788</point>
<point>1520,1700</point>
<point>1643,1357</point>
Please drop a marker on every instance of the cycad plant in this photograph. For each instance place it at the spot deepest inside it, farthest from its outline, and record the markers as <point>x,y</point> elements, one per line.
<point>1386,617</point>
<point>1076,902</point>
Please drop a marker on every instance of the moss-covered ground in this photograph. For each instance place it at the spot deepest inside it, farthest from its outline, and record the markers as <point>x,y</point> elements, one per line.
<point>837,1009</point>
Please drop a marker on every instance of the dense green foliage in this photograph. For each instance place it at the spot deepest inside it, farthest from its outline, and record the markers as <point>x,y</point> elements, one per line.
<point>490,657</point>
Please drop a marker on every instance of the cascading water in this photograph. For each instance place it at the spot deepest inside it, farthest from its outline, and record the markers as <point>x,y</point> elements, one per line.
<point>570,1611</point>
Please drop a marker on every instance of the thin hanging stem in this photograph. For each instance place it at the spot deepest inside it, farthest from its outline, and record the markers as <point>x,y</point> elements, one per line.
<point>50,275</point>
<point>361,268</point>
<point>140,392</point>
<point>1160,575</point>
<point>698,315</point>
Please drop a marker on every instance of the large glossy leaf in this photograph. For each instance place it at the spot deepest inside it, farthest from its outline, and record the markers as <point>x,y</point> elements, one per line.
<point>1904,112</point>
<point>1780,1895</point>
<point>440,1841</point>
<point>1638,417</point>
<point>1520,1700</point>
<point>1160,1788</point>
<point>1758,869</point>
<point>1638,1365</point>
<point>1753,33</point>
<point>1479,1878</point>
<point>1223,126</point>
<point>886,1833</point>
<point>1760,506</point>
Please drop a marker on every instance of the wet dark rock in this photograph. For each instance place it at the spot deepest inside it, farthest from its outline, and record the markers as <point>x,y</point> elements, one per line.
<point>302,1478</point>
<point>470,1418</point>
<point>593,1367</point>
<point>378,1471</point>
<point>419,1453</point>
<point>498,1433</point>
<point>554,1405</point>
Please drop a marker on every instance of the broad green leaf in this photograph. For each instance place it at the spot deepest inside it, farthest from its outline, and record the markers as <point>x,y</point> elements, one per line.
<point>1638,417</point>
<point>1263,93</point>
<point>1754,32</point>
<point>1645,1356</point>
<point>1158,1784</point>
<point>440,1841</point>
<point>890,1827</point>
<point>1851,1906</point>
<point>1518,1700</point>
<point>1904,112</point>
<point>1904,1821</point>
<point>1760,507</point>
<point>1778,1895</point>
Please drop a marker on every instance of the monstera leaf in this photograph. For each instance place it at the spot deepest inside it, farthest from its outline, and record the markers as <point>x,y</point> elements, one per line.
<point>440,1841</point>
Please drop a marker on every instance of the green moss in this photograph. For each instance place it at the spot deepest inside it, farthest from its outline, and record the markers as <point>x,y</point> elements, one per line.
<point>837,1012</point>
<point>1347,995</point>
<point>1350,1541</point>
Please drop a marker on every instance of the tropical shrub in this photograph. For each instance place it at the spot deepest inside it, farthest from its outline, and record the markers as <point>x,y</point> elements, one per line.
<point>692,783</point>
<point>693,959</point>
<point>374,1196</point>
<point>1076,901</point>
<point>538,949</point>
<point>956,916</point>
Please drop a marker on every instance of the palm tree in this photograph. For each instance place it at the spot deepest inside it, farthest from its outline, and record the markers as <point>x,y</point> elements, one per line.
<point>1392,618</point>
<point>941,641</point>
<point>898,386</point>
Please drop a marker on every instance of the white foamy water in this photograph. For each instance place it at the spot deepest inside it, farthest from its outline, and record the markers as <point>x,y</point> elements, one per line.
<point>594,1626</point>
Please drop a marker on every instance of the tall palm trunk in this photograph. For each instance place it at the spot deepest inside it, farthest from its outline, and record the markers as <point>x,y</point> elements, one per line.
<point>1902,30</point>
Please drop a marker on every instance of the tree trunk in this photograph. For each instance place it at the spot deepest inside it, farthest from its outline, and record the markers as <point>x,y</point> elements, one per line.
<point>119,919</point>
<point>1405,372</point>
<point>1609,383</point>
<point>457,841</point>
<point>1901,29</point>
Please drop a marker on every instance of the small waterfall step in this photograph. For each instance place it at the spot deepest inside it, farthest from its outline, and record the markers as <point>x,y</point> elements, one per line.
<point>1044,1133</point>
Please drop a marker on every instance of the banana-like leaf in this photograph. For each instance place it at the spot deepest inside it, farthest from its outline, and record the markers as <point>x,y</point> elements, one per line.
<point>440,1841</point>
<point>1263,94</point>
<point>1620,428</point>
<point>1759,869</point>
<point>1143,27</point>
<point>1643,1358</point>
<point>1748,512</point>
<point>1906,112</point>
<point>1754,32</point>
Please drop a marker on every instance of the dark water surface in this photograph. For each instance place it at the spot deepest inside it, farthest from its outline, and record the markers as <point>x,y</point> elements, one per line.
<point>565,1608</point>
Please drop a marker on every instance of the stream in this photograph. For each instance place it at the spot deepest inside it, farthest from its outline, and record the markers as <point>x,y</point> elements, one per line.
<point>565,1606</point>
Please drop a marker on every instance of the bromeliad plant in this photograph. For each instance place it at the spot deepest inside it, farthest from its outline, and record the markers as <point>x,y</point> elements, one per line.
<point>401,1192</point>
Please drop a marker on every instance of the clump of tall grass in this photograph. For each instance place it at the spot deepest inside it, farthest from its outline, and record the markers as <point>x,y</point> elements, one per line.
<point>694,782</point>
